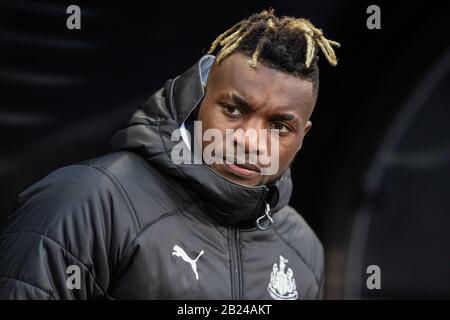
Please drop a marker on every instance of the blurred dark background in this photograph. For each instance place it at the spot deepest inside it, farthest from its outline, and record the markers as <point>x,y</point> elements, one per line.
<point>373,177</point>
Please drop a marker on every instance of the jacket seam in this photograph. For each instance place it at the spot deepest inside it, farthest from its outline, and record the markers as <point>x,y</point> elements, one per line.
<point>231,263</point>
<point>172,100</point>
<point>29,285</point>
<point>301,257</point>
<point>320,288</point>
<point>64,248</point>
<point>121,190</point>
<point>148,225</point>
<point>206,222</point>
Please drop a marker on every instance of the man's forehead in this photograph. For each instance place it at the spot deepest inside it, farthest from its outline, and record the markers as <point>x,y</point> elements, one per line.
<point>261,84</point>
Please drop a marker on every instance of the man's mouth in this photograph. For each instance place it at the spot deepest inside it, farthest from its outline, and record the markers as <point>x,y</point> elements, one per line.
<point>242,169</point>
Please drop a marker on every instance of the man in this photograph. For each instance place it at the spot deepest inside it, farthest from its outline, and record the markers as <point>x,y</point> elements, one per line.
<point>141,223</point>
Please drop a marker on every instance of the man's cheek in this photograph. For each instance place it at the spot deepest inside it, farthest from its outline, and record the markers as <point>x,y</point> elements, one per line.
<point>288,157</point>
<point>299,143</point>
<point>272,160</point>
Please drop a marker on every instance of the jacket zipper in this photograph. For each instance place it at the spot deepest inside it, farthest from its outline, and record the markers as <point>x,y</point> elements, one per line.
<point>265,221</point>
<point>235,263</point>
<point>235,250</point>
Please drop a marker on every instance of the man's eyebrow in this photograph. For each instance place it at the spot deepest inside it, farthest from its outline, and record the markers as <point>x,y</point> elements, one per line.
<point>239,100</point>
<point>284,116</point>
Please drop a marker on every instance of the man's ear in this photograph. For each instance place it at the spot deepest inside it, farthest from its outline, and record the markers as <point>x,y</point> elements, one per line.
<point>308,126</point>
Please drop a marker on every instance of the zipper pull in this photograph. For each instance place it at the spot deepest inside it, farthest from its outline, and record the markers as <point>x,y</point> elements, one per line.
<point>264,222</point>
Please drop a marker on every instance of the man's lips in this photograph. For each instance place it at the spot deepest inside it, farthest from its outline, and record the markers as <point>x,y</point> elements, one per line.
<point>243,170</point>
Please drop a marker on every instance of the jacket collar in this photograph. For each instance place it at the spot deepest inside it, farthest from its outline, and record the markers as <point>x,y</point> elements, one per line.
<point>149,131</point>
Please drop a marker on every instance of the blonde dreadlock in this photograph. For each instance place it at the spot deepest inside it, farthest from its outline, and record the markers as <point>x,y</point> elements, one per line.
<point>266,24</point>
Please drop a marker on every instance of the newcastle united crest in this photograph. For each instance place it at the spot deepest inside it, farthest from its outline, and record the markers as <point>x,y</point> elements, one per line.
<point>282,284</point>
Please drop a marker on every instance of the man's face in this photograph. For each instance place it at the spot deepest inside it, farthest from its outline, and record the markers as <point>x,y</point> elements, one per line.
<point>241,97</point>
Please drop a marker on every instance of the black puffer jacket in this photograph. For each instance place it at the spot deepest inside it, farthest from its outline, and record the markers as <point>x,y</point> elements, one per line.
<point>137,226</point>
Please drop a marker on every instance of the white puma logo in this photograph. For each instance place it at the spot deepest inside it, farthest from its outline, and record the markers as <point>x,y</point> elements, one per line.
<point>179,252</point>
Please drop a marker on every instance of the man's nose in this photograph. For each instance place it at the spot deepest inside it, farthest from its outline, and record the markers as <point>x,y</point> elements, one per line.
<point>253,138</point>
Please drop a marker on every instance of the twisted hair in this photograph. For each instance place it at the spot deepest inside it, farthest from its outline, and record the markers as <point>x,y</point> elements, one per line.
<point>285,43</point>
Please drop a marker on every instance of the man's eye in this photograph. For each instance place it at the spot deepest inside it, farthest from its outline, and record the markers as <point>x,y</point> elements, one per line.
<point>232,111</point>
<point>281,127</point>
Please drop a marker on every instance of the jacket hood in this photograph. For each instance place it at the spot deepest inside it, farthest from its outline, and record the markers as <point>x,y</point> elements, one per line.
<point>149,131</point>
